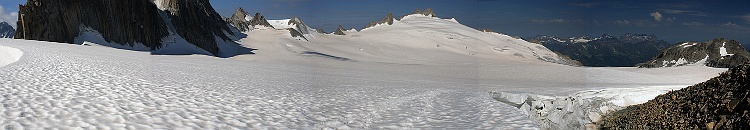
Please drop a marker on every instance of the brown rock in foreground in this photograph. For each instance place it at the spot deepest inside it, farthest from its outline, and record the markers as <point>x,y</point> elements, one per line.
<point>719,103</point>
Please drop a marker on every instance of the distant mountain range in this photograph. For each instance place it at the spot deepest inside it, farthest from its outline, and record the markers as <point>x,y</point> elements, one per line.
<point>720,52</point>
<point>6,31</point>
<point>606,50</point>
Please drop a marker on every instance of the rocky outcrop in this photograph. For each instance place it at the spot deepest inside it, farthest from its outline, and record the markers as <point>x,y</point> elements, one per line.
<point>605,50</point>
<point>244,22</point>
<point>339,31</point>
<point>259,21</point>
<point>387,20</point>
<point>301,29</point>
<point>197,22</point>
<point>426,12</point>
<point>124,22</point>
<point>61,21</point>
<point>720,52</point>
<point>240,20</point>
<point>719,103</point>
<point>6,31</point>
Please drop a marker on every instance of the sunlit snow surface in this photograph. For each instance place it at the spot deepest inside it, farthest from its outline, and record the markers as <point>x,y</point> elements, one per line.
<point>57,85</point>
<point>419,73</point>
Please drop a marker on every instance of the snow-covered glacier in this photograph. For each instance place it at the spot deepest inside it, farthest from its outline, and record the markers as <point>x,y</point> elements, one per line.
<point>54,85</point>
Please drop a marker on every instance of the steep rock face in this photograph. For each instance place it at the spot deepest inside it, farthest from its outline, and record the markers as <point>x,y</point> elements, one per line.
<point>197,22</point>
<point>301,29</point>
<point>339,31</point>
<point>240,20</point>
<point>6,31</point>
<point>426,12</point>
<point>387,20</point>
<point>719,53</point>
<point>606,50</point>
<point>61,21</point>
<point>259,21</point>
<point>129,22</point>
<point>723,102</point>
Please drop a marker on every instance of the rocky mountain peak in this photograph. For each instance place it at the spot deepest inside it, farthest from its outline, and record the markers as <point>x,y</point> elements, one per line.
<point>240,20</point>
<point>426,12</point>
<point>6,30</point>
<point>387,20</point>
<point>339,31</point>
<point>259,21</point>
<point>719,52</point>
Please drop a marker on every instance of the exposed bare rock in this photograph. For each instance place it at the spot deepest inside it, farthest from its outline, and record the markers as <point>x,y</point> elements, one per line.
<point>240,20</point>
<point>719,103</point>
<point>387,20</point>
<point>6,31</point>
<point>301,29</point>
<point>133,21</point>
<point>720,52</point>
<point>339,31</point>
<point>259,21</point>
<point>126,22</point>
<point>426,12</point>
<point>197,22</point>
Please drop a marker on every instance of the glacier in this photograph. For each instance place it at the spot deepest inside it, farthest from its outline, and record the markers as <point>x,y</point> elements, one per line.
<point>419,73</point>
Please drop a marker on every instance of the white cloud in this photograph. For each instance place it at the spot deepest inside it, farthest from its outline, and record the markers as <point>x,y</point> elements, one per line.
<point>746,17</point>
<point>11,17</point>
<point>686,12</point>
<point>557,21</point>
<point>730,25</point>
<point>622,22</point>
<point>657,16</point>
<point>693,24</point>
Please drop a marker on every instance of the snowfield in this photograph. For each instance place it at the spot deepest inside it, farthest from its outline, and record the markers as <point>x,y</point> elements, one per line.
<point>421,76</point>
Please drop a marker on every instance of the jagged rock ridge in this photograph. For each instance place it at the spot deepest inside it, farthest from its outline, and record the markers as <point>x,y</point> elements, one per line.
<point>124,22</point>
<point>426,12</point>
<point>606,50</point>
<point>720,52</point>
<point>240,20</point>
<point>244,22</point>
<point>260,21</point>
<point>339,31</point>
<point>301,29</point>
<point>6,31</point>
<point>720,103</point>
<point>387,20</point>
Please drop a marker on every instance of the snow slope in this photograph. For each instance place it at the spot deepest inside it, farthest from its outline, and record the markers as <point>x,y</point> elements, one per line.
<point>92,87</point>
<point>415,39</point>
<point>9,55</point>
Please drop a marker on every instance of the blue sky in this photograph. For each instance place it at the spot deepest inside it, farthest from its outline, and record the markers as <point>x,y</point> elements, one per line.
<point>671,20</point>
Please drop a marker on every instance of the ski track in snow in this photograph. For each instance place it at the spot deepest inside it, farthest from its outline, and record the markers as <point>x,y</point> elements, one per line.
<point>65,86</point>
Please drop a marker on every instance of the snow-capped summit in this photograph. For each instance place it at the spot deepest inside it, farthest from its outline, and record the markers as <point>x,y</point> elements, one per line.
<point>296,27</point>
<point>719,52</point>
<point>414,39</point>
<point>6,31</point>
